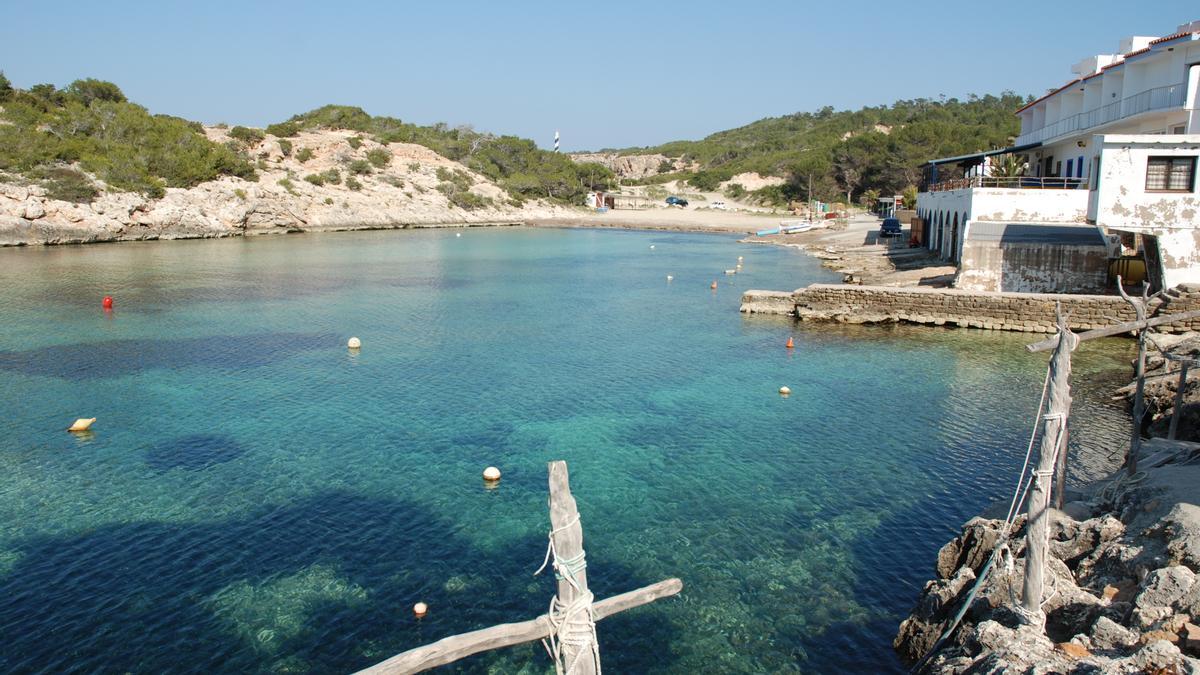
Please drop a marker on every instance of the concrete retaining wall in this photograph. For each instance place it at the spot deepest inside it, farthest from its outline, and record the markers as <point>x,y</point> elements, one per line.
<point>1027,312</point>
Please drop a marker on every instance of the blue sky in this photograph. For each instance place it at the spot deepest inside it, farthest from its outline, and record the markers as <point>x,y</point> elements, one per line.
<point>610,74</point>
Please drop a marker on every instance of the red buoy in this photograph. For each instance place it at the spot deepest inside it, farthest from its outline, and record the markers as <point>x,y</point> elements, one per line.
<point>790,344</point>
<point>108,302</point>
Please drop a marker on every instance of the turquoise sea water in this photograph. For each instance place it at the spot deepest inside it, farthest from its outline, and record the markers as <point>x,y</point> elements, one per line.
<point>255,498</point>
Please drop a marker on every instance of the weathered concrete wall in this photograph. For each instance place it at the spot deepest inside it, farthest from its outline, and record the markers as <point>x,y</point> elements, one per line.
<point>1123,203</point>
<point>768,302</point>
<point>1032,268</point>
<point>1027,312</point>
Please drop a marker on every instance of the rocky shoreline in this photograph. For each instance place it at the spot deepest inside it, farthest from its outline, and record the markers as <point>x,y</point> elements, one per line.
<point>1122,569</point>
<point>402,193</point>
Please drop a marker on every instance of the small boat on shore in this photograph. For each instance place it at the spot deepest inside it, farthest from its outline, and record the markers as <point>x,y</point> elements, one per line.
<point>787,227</point>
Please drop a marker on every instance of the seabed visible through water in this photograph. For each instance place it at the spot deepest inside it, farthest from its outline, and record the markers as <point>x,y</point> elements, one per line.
<point>255,497</point>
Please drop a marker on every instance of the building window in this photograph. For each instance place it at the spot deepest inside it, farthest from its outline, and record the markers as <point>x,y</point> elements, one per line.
<point>1170,174</point>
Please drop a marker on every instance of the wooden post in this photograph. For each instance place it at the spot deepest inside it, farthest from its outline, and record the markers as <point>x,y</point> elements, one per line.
<point>1139,401</point>
<point>1060,471</point>
<point>1183,368</point>
<point>1053,427</point>
<point>455,647</point>
<point>568,550</point>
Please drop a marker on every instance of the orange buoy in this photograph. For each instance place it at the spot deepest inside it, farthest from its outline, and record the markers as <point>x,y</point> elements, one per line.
<point>107,303</point>
<point>713,286</point>
<point>790,344</point>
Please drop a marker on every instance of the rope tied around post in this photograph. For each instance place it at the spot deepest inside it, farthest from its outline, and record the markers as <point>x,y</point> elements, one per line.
<point>573,624</point>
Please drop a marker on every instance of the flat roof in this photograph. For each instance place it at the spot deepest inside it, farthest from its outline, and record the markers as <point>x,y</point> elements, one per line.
<point>981,155</point>
<point>1075,234</point>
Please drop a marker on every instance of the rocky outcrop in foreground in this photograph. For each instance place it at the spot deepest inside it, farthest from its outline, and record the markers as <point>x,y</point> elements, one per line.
<point>403,192</point>
<point>1122,590</point>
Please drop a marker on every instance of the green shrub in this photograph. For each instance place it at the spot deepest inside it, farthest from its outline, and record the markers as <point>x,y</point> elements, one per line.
<point>288,185</point>
<point>285,146</point>
<point>304,154</point>
<point>329,200</point>
<point>462,198</point>
<point>332,176</point>
<point>240,194</point>
<point>352,183</point>
<point>283,129</point>
<point>86,91</point>
<point>246,135</point>
<point>355,142</point>
<point>414,167</point>
<point>6,88</point>
<point>359,166</point>
<point>315,178</point>
<point>394,181</point>
<point>379,157</point>
<point>444,174</point>
<point>735,191</point>
<point>67,184</point>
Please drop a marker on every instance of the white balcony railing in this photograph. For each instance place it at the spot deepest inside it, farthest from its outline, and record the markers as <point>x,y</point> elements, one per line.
<point>1017,182</point>
<point>1159,98</point>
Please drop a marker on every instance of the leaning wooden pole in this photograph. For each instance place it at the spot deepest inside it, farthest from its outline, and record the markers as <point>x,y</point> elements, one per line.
<point>1054,424</point>
<point>1139,397</point>
<point>580,654</point>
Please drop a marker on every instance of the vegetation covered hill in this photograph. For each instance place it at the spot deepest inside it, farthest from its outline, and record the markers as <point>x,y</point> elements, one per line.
<point>516,164</point>
<point>48,134</point>
<point>45,132</point>
<point>845,155</point>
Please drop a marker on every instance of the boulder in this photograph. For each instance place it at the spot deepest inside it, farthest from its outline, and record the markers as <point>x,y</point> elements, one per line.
<point>1165,587</point>
<point>930,617</point>
<point>1108,634</point>
<point>1180,529</point>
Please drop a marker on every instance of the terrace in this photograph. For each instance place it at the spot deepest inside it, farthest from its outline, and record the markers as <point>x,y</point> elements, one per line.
<point>1159,98</point>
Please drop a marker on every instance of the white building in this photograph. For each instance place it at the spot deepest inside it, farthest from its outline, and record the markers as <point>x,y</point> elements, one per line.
<point>1116,147</point>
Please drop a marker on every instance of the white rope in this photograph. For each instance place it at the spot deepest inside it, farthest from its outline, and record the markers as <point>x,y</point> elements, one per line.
<point>573,625</point>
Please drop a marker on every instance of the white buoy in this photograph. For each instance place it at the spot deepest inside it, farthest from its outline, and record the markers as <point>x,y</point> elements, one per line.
<point>354,343</point>
<point>82,424</point>
<point>491,474</point>
<point>739,258</point>
<point>784,391</point>
<point>458,234</point>
<point>670,278</point>
<point>420,609</point>
<point>651,246</point>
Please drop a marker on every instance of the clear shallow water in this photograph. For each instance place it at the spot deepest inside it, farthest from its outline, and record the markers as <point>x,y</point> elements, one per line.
<point>256,499</point>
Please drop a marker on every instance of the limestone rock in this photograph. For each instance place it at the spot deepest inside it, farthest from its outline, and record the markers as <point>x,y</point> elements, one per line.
<point>1073,650</point>
<point>1108,634</point>
<point>32,209</point>
<point>1181,530</point>
<point>972,548</point>
<point>1165,587</point>
<point>928,620</point>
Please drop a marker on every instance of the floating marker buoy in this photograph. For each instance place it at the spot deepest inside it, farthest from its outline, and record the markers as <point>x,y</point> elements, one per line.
<point>420,609</point>
<point>790,344</point>
<point>730,272</point>
<point>713,286</point>
<point>739,258</point>
<point>354,343</point>
<point>107,302</point>
<point>82,424</point>
<point>651,246</point>
<point>670,278</point>
<point>458,234</point>
<point>491,474</point>
<point>784,391</point>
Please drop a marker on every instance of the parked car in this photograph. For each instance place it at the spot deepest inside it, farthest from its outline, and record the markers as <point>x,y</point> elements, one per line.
<point>719,205</point>
<point>676,201</point>
<point>890,227</point>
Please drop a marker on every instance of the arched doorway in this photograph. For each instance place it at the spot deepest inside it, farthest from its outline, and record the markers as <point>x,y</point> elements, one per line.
<point>953,254</point>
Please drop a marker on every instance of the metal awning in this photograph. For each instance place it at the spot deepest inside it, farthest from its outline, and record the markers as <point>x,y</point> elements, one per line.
<point>978,156</point>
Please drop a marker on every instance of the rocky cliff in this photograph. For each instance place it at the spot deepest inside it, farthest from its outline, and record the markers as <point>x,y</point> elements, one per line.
<point>632,166</point>
<point>1122,594</point>
<point>400,193</point>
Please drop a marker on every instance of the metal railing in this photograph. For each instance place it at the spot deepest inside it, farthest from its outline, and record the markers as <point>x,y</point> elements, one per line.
<point>1019,182</point>
<point>1159,98</point>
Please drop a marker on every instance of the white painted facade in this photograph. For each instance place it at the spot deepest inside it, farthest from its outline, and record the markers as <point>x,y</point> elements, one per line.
<point>1123,202</point>
<point>1121,109</point>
